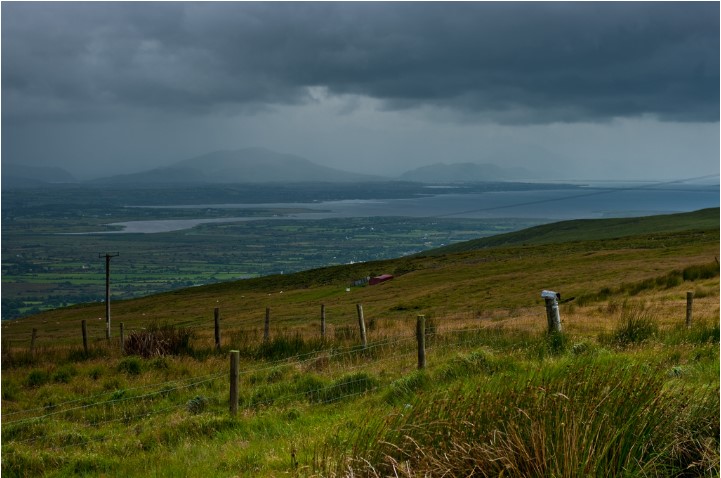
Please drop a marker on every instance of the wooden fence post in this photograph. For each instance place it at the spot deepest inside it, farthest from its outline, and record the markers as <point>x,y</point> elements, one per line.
<point>32,341</point>
<point>122,337</point>
<point>216,317</point>
<point>689,308</point>
<point>421,338</point>
<point>85,336</point>
<point>234,373</point>
<point>322,321</point>
<point>554,318</point>
<point>266,329</point>
<point>362,325</point>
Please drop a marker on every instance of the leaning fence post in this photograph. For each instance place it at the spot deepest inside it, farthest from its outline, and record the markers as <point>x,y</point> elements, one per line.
<point>234,372</point>
<point>322,321</point>
<point>122,337</point>
<point>32,341</point>
<point>266,329</point>
<point>689,308</point>
<point>216,317</point>
<point>421,338</point>
<point>362,325</point>
<point>554,318</point>
<point>85,336</point>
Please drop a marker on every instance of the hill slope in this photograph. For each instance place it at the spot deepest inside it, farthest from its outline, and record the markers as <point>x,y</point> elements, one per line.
<point>310,406</point>
<point>20,176</point>
<point>591,229</point>
<point>490,277</point>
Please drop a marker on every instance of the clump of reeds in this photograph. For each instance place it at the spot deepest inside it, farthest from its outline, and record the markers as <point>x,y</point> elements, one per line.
<point>636,325</point>
<point>158,340</point>
<point>597,419</point>
<point>667,281</point>
<point>702,271</point>
<point>284,345</point>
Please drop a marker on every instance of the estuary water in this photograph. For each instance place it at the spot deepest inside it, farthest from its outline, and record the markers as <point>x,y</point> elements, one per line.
<point>618,200</point>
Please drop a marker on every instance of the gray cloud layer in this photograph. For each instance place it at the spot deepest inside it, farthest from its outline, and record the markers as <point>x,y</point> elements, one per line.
<point>503,62</point>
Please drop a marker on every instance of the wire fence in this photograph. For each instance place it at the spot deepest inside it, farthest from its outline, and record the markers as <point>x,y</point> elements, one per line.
<point>250,328</point>
<point>332,353</point>
<point>345,374</point>
<point>97,334</point>
<point>338,369</point>
<point>166,388</point>
<point>245,331</point>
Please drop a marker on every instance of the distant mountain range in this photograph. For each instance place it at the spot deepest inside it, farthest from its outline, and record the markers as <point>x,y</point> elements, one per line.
<point>250,165</point>
<point>19,175</point>
<point>257,165</point>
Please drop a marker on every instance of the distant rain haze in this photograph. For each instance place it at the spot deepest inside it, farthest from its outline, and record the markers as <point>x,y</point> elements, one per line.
<point>563,90</point>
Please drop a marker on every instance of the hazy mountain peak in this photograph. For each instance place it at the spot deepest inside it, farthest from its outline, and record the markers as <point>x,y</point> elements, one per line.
<point>20,175</point>
<point>247,165</point>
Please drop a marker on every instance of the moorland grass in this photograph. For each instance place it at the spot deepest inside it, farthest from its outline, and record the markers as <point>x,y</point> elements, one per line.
<point>625,390</point>
<point>580,417</point>
<point>491,399</point>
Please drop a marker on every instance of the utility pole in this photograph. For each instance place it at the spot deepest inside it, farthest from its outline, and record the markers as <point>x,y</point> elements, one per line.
<point>107,257</point>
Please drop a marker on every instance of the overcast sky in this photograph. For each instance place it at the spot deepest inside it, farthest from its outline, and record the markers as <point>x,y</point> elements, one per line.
<point>583,90</point>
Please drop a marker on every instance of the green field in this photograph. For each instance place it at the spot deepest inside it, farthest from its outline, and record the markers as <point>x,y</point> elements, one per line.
<point>627,389</point>
<point>43,267</point>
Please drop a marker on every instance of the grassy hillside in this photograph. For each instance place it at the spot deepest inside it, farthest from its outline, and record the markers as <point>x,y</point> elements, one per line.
<point>509,277</point>
<point>590,229</point>
<point>626,388</point>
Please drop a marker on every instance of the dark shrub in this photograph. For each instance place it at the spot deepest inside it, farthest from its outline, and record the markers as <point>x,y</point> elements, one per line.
<point>95,372</point>
<point>157,341</point>
<point>705,271</point>
<point>37,378</point>
<point>130,365</point>
<point>287,345</point>
<point>673,279</point>
<point>64,374</point>
<point>10,390</point>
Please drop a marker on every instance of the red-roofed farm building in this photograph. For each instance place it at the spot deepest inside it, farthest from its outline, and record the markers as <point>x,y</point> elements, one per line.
<point>379,279</point>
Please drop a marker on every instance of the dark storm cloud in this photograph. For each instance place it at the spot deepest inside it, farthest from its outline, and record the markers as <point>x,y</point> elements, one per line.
<point>506,62</point>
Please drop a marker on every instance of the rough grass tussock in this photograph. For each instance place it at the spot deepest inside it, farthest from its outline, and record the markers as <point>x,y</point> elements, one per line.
<point>556,424</point>
<point>158,340</point>
<point>635,326</point>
